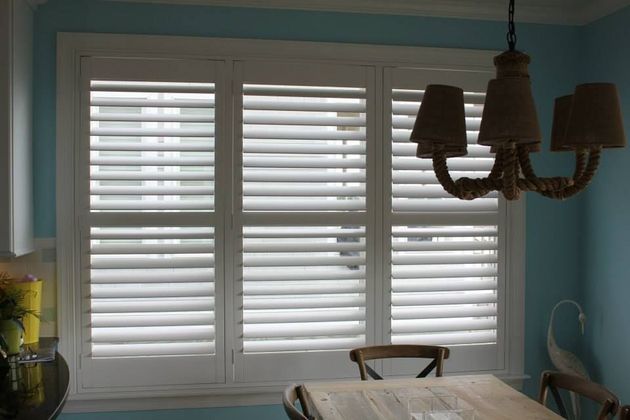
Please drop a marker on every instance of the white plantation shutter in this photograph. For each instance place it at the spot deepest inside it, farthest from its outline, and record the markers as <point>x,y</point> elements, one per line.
<point>446,254</point>
<point>303,218</point>
<point>148,229</point>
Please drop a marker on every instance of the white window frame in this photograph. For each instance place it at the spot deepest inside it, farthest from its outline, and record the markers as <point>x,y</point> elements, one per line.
<point>72,46</point>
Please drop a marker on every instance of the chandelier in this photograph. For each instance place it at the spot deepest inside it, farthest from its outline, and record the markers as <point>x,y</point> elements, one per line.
<point>585,122</point>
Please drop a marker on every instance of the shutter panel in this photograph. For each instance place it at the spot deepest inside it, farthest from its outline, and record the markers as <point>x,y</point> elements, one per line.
<point>151,128</point>
<point>305,154</point>
<point>445,252</point>
<point>137,309</point>
<point>149,234</point>
<point>304,253</point>
<point>292,278</point>
<point>454,273</point>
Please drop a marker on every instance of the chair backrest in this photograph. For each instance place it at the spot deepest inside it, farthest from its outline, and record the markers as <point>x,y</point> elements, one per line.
<point>362,354</point>
<point>624,414</point>
<point>291,394</point>
<point>554,381</point>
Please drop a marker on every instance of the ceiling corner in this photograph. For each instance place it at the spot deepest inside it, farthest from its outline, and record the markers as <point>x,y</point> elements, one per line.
<point>35,3</point>
<point>597,9</point>
<point>562,12</point>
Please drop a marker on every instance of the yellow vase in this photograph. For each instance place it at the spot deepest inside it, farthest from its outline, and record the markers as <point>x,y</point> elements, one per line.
<point>33,302</point>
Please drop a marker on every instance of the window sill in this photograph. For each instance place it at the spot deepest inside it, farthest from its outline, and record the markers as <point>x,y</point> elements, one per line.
<point>133,403</point>
<point>224,397</point>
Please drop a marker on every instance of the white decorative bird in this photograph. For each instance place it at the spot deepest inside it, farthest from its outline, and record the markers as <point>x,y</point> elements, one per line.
<point>565,361</point>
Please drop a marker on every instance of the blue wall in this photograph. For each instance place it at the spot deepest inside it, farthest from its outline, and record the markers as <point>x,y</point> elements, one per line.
<point>552,245</point>
<point>605,240</point>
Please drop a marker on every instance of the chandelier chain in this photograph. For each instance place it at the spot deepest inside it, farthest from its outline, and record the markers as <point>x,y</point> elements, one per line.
<point>511,35</point>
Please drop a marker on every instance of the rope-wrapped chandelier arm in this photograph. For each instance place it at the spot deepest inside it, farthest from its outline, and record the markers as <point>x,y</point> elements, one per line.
<point>550,186</point>
<point>442,174</point>
<point>477,187</point>
<point>591,168</point>
<point>457,188</point>
<point>467,188</point>
<point>581,159</point>
<point>581,182</point>
<point>482,186</point>
<point>497,168</point>
<point>509,163</point>
<point>528,170</point>
<point>511,173</point>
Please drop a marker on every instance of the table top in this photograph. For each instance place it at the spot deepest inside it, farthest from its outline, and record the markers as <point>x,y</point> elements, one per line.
<point>42,391</point>
<point>491,398</point>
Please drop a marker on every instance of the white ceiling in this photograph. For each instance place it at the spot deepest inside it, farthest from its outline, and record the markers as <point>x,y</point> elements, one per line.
<point>574,12</point>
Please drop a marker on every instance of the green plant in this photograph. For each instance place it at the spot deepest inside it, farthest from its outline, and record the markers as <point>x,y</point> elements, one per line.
<point>11,307</point>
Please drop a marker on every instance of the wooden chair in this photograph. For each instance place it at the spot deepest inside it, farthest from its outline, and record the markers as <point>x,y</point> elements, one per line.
<point>291,394</point>
<point>624,414</point>
<point>362,354</point>
<point>555,380</point>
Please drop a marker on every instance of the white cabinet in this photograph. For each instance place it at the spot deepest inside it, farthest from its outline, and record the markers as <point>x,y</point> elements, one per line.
<point>16,104</point>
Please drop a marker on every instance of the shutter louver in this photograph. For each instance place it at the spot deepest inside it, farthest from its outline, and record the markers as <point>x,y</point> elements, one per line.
<point>444,273</point>
<point>151,285</point>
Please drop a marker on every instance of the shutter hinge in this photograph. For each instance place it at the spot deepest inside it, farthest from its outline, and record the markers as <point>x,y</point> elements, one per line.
<point>233,367</point>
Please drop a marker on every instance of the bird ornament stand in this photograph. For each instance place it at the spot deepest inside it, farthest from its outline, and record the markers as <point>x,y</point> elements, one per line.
<point>563,360</point>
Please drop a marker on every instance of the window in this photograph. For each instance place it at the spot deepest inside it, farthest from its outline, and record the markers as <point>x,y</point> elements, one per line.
<point>237,222</point>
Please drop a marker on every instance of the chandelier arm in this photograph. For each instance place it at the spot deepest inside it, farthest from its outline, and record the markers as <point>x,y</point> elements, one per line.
<point>591,168</point>
<point>582,157</point>
<point>548,187</point>
<point>440,167</point>
<point>497,168</point>
<point>461,188</point>
<point>528,170</point>
<point>478,187</point>
<point>511,190</point>
<point>587,175</point>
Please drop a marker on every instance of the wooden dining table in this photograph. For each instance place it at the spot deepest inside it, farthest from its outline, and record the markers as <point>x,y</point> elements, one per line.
<point>486,396</point>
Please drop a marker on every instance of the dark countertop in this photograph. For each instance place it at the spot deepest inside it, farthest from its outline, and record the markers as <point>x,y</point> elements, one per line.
<point>41,391</point>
